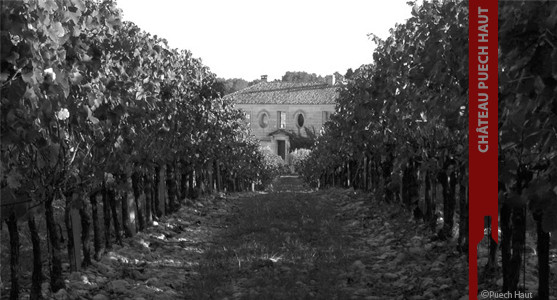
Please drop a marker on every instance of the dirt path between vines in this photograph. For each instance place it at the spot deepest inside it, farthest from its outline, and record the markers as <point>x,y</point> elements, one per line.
<point>286,244</point>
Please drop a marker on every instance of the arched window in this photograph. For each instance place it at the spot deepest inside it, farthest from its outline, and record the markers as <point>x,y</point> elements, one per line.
<point>263,119</point>
<point>300,120</point>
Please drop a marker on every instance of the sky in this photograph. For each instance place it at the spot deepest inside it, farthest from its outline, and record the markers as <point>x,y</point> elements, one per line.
<point>249,38</point>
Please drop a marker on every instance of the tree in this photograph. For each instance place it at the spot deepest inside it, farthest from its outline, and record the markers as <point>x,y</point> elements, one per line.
<point>349,73</point>
<point>232,85</point>
<point>301,77</point>
<point>339,78</point>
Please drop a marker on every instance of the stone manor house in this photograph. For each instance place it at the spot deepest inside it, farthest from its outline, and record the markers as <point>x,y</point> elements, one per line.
<point>274,109</point>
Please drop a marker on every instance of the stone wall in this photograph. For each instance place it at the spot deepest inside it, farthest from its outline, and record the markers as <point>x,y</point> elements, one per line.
<point>313,117</point>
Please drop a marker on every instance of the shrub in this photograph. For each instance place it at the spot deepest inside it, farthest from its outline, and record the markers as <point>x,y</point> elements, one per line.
<point>273,166</point>
<point>297,157</point>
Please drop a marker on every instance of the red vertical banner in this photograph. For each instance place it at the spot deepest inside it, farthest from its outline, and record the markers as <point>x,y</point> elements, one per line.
<point>482,127</point>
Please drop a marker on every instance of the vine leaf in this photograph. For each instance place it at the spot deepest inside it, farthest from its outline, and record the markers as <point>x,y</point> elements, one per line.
<point>48,5</point>
<point>4,77</point>
<point>56,30</point>
<point>7,195</point>
<point>13,179</point>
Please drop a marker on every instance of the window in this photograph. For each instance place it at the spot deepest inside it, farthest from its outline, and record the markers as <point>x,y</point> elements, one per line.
<point>281,116</point>
<point>300,120</point>
<point>263,119</point>
<point>326,116</point>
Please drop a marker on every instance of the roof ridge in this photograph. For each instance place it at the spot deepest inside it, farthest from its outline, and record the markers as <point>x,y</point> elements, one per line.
<point>279,92</point>
<point>289,89</point>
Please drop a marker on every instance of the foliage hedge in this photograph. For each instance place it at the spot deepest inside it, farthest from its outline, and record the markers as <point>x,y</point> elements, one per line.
<point>86,97</point>
<point>401,125</point>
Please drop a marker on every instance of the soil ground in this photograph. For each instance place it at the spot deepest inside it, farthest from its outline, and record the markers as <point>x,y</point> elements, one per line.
<point>287,243</point>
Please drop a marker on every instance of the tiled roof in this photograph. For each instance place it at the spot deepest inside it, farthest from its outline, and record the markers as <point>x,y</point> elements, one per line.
<point>285,93</point>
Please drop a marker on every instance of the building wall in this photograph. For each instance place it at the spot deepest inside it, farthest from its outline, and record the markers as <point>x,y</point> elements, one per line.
<point>313,117</point>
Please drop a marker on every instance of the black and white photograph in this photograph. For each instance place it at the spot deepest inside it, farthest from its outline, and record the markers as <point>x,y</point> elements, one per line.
<point>311,149</point>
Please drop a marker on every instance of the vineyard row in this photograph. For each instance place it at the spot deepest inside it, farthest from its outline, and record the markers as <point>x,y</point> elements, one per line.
<point>95,110</point>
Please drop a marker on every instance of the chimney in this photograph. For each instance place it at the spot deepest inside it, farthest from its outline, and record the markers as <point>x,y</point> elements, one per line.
<point>330,79</point>
<point>263,78</point>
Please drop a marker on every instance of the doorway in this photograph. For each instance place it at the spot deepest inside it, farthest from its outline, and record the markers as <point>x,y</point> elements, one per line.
<point>281,149</point>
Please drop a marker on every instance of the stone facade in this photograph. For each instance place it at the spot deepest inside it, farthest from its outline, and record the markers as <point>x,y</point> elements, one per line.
<point>274,109</point>
<point>313,118</point>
